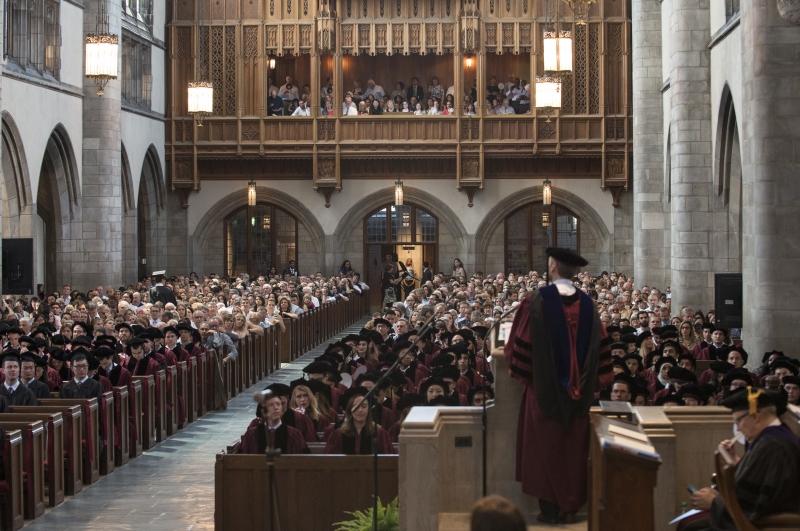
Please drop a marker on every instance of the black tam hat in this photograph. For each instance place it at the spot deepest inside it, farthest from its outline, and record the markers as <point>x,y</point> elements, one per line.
<point>753,398</point>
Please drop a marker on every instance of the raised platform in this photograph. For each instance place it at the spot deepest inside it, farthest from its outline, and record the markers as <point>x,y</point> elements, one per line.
<point>460,522</point>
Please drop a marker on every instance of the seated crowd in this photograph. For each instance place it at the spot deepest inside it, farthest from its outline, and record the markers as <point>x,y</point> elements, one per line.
<point>653,361</point>
<point>79,345</point>
<point>510,97</point>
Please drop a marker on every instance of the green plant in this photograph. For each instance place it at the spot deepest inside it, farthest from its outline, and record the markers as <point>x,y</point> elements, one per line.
<point>388,518</point>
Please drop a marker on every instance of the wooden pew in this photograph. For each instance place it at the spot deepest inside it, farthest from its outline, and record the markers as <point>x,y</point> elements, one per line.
<point>12,495</point>
<point>147,411</point>
<point>108,435</point>
<point>91,433</point>
<point>181,391</point>
<point>200,381</point>
<point>121,426</point>
<point>136,433</point>
<point>623,477</point>
<point>34,454</point>
<point>54,451</point>
<point>242,489</point>
<point>73,435</point>
<point>173,409</point>
<point>160,405</point>
<point>192,405</point>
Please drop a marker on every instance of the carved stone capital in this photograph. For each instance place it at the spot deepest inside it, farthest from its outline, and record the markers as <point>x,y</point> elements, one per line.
<point>789,10</point>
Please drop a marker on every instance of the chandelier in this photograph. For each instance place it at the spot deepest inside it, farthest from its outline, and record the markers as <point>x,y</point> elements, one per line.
<point>557,47</point>
<point>199,97</point>
<point>251,194</point>
<point>398,192</point>
<point>102,52</point>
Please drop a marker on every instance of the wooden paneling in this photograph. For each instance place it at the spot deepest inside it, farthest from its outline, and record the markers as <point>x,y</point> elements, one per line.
<point>243,496</point>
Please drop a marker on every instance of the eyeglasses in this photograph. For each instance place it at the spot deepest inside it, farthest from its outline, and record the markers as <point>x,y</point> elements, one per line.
<point>738,419</point>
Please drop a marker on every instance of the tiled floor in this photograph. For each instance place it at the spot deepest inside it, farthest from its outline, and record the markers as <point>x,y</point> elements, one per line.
<point>172,486</point>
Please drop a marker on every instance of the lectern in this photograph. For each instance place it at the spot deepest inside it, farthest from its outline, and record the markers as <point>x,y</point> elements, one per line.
<point>623,466</point>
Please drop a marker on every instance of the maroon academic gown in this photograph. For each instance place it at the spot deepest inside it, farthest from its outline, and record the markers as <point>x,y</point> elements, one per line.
<point>288,439</point>
<point>339,443</point>
<point>551,456</point>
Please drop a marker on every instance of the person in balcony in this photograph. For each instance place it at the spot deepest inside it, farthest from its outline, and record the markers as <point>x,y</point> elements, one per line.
<point>418,110</point>
<point>415,92</point>
<point>436,90</point>
<point>288,90</point>
<point>349,108</point>
<point>374,90</point>
<point>390,108</point>
<point>433,108</point>
<point>274,104</point>
<point>399,91</point>
<point>376,108</point>
<point>363,110</point>
<point>505,108</point>
<point>405,107</point>
<point>412,103</point>
<point>302,109</point>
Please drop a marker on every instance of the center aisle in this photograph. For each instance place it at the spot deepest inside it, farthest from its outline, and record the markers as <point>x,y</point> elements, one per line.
<point>170,487</point>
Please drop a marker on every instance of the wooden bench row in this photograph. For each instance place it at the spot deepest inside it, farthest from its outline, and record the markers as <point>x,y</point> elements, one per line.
<point>54,449</point>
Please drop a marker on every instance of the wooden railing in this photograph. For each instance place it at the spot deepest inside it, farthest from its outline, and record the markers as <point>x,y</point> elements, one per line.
<point>62,445</point>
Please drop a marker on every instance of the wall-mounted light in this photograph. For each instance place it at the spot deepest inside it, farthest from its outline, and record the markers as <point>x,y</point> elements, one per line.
<point>547,193</point>
<point>545,219</point>
<point>272,63</point>
<point>251,194</point>
<point>398,192</point>
<point>469,61</point>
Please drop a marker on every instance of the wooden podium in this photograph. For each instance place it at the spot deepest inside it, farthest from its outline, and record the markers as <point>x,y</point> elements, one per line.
<point>623,467</point>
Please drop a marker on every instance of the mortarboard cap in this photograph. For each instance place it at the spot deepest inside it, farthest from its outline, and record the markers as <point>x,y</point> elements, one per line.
<point>566,256</point>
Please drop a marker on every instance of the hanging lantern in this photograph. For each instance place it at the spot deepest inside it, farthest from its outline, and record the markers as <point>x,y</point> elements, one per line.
<point>200,99</point>
<point>272,63</point>
<point>251,194</point>
<point>547,193</point>
<point>548,92</point>
<point>102,52</point>
<point>557,46</point>
<point>545,219</point>
<point>398,192</point>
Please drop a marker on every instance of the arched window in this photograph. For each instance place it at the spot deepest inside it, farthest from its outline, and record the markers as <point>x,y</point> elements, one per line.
<point>259,237</point>
<point>527,238</point>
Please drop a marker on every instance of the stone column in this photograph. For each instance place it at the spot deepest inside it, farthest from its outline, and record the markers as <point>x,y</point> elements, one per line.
<point>650,261</point>
<point>691,180</point>
<point>771,193</point>
<point>98,258</point>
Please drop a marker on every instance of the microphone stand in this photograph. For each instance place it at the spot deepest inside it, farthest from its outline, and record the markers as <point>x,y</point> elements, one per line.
<point>271,453</point>
<point>370,396</point>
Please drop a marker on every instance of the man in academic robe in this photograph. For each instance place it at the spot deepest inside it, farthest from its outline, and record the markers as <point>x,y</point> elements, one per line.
<point>117,374</point>
<point>553,350</point>
<point>268,431</point>
<point>767,478</point>
<point>28,373</point>
<point>142,362</point>
<point>14,391</point>
<point>293,418</point>
<point>81,386</point>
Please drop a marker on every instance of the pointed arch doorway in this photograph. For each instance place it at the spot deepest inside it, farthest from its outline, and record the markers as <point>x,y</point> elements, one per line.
<point>398,233</point>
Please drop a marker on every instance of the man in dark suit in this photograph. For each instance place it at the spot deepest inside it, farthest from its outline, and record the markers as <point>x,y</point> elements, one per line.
<point>15,393</point>
<point>28,369</point>
<point>415,90</point>
<point>160,292</point>
<point>81,386</point>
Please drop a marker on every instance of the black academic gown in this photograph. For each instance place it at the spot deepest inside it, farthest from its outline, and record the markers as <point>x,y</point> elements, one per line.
<point>21,397</point>
<point>38,388</point>
<point>90,388</point>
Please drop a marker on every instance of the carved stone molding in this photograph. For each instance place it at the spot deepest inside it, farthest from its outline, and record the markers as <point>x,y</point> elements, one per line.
<point>789,10</point>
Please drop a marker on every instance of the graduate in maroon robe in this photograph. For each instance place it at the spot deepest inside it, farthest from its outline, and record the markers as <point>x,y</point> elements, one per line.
<point>357,433</point>
<point>553,350</point>
<point>268,430</point>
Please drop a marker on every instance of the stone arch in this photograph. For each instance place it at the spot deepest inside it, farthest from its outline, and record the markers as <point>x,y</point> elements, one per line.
<point>151,217</point>
<point>57,206</point>
<point>15,187</point>
<point>130,255</point>
<point>728,181</point>
<point>590,221</point>
<point>349,237</point>
<point>207,238</point>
